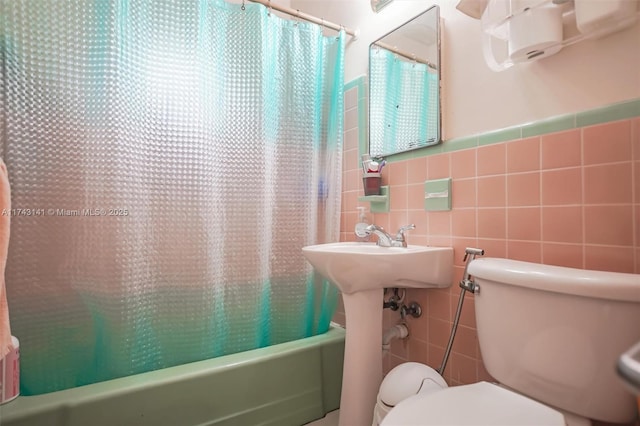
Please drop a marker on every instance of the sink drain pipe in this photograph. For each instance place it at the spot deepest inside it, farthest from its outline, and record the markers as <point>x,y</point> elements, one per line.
<point>399,331</point>
<point>466,284</point>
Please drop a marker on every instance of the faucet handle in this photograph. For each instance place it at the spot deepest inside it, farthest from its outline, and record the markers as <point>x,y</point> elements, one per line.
<point>406,228</point>
<point>400,235</point>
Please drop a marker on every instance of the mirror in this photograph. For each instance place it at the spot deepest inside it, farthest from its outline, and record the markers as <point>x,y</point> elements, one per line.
<point>404,86</point>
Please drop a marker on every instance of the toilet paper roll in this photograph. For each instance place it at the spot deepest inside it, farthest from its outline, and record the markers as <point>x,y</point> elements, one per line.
<point>535,33</point>
<point>604,17</point>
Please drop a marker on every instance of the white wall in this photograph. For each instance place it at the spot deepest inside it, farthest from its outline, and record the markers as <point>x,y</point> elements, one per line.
<point>475,99</point>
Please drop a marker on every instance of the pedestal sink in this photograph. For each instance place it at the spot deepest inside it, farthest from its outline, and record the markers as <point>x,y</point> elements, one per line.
<point>361,271</point>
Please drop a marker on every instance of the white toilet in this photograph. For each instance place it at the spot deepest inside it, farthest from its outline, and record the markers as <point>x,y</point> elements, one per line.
<point>551,336</point>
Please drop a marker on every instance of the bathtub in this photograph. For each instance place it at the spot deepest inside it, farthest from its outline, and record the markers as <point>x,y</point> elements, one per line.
<point>291,383</point>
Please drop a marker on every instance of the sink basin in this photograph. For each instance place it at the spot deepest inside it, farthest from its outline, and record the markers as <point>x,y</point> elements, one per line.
<point>361,271</point>
<point>356,267</point>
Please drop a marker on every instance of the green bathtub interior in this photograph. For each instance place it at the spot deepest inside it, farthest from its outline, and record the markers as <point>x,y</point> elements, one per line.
<point>287,384</point>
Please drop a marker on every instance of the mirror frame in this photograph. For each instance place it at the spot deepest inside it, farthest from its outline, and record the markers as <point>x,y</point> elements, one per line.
<point>438,139</point>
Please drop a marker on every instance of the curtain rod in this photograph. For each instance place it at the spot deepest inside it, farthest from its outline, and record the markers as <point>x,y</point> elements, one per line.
<point>301,15</point>
<point>404,54</point>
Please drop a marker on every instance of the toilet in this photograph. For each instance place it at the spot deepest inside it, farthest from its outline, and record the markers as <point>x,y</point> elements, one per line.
<point>551,336</point>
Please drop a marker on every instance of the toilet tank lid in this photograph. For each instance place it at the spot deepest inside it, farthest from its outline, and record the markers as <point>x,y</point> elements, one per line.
<point>580,282</point>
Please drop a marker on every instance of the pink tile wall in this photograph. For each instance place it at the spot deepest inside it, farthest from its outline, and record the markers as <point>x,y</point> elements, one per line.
<point>570,198</point>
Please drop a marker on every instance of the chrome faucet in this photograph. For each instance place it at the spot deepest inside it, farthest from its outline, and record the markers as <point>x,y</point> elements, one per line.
<point>386,240</point>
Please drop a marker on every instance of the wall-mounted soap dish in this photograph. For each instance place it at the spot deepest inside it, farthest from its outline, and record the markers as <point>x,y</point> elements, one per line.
<point>379,203</point>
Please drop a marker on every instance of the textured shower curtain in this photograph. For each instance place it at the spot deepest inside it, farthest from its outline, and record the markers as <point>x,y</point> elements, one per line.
<point>168,161</point>
<point>403,103</point>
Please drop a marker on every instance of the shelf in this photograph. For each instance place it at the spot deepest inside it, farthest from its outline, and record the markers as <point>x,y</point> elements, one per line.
<point>379,203</point>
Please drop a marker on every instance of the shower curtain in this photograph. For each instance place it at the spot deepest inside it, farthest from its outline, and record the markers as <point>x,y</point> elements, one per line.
<point>403,103</point>
<point>168,162</point>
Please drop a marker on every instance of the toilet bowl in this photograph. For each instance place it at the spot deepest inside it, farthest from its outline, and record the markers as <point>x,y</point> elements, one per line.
<point>552,336</point>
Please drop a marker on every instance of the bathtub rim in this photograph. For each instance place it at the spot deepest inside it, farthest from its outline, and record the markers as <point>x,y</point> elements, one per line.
<point>35,405</point>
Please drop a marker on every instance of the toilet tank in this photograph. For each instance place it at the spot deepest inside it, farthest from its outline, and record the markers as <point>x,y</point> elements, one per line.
<point>555,333</point>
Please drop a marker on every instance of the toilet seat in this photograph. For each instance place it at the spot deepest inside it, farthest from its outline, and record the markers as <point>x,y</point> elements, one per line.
<point>476,404</point>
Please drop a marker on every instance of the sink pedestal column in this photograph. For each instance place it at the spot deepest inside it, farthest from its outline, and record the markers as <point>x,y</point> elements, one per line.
<point>362,374</point>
